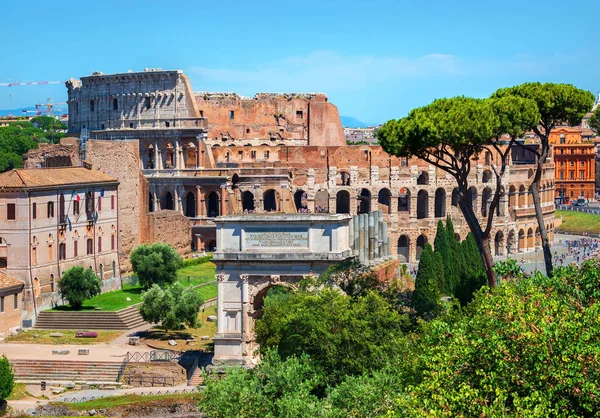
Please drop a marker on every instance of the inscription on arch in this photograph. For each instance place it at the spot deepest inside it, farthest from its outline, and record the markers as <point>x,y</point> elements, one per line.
<point>275,238</point>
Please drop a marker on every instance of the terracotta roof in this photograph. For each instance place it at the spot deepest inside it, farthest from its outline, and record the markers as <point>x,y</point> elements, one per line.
<point>47,177</point>
<point>6,281</point>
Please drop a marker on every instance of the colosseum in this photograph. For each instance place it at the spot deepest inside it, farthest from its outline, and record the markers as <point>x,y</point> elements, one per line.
<point>202,155</point>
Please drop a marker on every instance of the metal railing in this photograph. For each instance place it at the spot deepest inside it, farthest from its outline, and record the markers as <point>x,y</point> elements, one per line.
<point>142,380</point>
<point>150,393</point>
<point>154,355</point>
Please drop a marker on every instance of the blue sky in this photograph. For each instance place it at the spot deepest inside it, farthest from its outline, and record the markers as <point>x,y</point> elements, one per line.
<point>375,60</point>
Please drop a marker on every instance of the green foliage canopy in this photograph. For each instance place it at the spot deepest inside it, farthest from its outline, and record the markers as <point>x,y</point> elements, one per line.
<point>426,296</point>
<point>78,284</point>
<point>594,121</point>
<point>155,264</point>
<point>171,306</point>
<point>7,378</point>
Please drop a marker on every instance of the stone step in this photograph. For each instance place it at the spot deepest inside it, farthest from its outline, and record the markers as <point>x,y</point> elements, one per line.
<point>121,320</point>
<point>66,370</point>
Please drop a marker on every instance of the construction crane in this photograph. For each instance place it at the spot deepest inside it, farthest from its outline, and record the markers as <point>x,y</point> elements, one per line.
<point>49,105</point>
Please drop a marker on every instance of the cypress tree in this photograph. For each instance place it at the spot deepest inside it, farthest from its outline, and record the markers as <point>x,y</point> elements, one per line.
<point>427,294</point>
<point>457,262</point>
<point>473,276</point>
<point>442,251</point>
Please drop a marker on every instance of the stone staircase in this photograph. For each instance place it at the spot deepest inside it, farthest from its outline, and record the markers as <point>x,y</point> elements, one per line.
<point>124,319</point>
<point>35,371</point>
<point>196,379</point>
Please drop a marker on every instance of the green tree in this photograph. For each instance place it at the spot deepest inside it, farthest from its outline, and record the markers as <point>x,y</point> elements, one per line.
<point>9,160</point>
<point>426,297</point>
<point>508,269</point>
<point>171,306</point>
<point>594,121</point>
<point>7,381</point>
<point>342,335</point>
<point>451,134</point>
<point>457,265</point>
<point>155,264</point>
<point>473,275</point>
<point>558,104</point>
<point>442,248</point>
<point>78,284</point>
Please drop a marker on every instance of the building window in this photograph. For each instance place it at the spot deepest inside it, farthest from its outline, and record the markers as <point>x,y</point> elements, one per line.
<point>115,104</point>
<point>90,246</point>
<point>582,175</point>
<point>52,284</point>
<point>562,138</point>
<point>75,248</point>
<point>62,251</point>
<point>92,106</point>
<point>50,252</point>
<point>231,114</point>
<point>147,102</point>
<point>99,203</point>
<point>15,301</point>
<point>247,130</point>
<point>76,207</point>
<point>112,242</point>
<point>34,256</point>
<point>572,175</point>
<point>131,125</point>
<point>562,175</point>
<point>572,163</point>
<point>583,164</point>
<point>34,211</point>
<point>562,163</point>
<point>2,304</point>
<point>112,202</point>
<point>266,155</point>
<point>50,209</point>
<point>253,154</point>
<point>11,211</point>
<point>99,244</point>
<point>202,113</point>
<point>167,124</point>
<point>572,150</point>
<point>299,114</point>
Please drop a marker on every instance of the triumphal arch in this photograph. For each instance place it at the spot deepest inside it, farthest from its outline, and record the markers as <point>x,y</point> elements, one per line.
<point>258,251</point>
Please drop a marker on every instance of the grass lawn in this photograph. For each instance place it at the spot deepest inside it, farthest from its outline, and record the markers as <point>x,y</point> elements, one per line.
<point>69,337</point>
<point>577,222</point>
<point>157,337</point>
<point>117,299</point>
<point>113,401</point>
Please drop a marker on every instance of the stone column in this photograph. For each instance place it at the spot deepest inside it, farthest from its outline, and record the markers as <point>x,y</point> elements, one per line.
<point>220,296</point>
<point>361,238</point>
<point>199,206</point>
<point>245,299</point>
<point>356,235</point>
<point>371,246</point>
<point>156,155</point>
<point>376,234</point>
<point>351,234</point>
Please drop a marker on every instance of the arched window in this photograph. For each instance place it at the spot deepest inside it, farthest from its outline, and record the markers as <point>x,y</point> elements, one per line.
<point>384,200</point>
<point>423,178</point>
<point>36,287</point>
<point>472,197</point>
<point>404,200</point>
<point>487,176</point>
<point>512,196</point>
<point>486,201</point>
<point>248,201</point>
<point>440,203</point>
<point>52,284</point>
<point>190,205</point>
<point>168,202</point>
<point>101,271</point>
<point>422,204</point>
<point>455,197</point>
<point>342,202</point>
<point>322,201</point>
<point>499,243</point>
<point>211,246</point>
<point>90,246</point>
<point>114,269</point>
<point>403,248</point>
<point>364,201</point>
<point>212,205</point>
<point>270,201</point>
<point>300,200</point>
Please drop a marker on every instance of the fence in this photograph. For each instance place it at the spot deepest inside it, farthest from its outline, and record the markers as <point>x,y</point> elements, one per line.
<point>154,355</point>
<point>149,393</point>
<point>594,211</point>
<point>141,380</point>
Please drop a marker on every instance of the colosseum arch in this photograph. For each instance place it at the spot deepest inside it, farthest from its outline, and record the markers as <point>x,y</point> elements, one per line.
<point>421,242</point>
<point>212,205</point>
<point>343,178</point>
<point>486,201</point>
<point>270,201</point>
<point>247,201</point>
<point>404,200</point>
<point>384,200</point>
<point>530,239</point>
<point>499,243</point>
<point>486,177</point>
<point>322,201</point>
<point>455,197</point>
<point>190,205</point>
<point>403,248</point>
<point>440,203</point>
<point>167,202</point>
<point>512,244</point>
<point>423,178</point>
<point>300,200</point>
<point>522,242</point>
<point>422,204</point>
<point>342,202</point>
<point>364,205</point>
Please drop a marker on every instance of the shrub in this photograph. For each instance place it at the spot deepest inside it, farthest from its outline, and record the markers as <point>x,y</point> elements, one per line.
<point>171,306</point>
<point>7,378</point>
<point>196,261</point>
<point>79,284</point>
<point>155,264</point>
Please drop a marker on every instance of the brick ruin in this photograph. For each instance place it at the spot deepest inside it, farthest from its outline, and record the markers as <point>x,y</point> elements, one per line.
<point>202,155</point>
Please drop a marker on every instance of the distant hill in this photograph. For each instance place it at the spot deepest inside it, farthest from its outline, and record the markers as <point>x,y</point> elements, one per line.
<point>350,122</point>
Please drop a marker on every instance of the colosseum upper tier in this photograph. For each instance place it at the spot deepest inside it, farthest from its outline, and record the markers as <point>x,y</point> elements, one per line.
<point>210,154</point>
